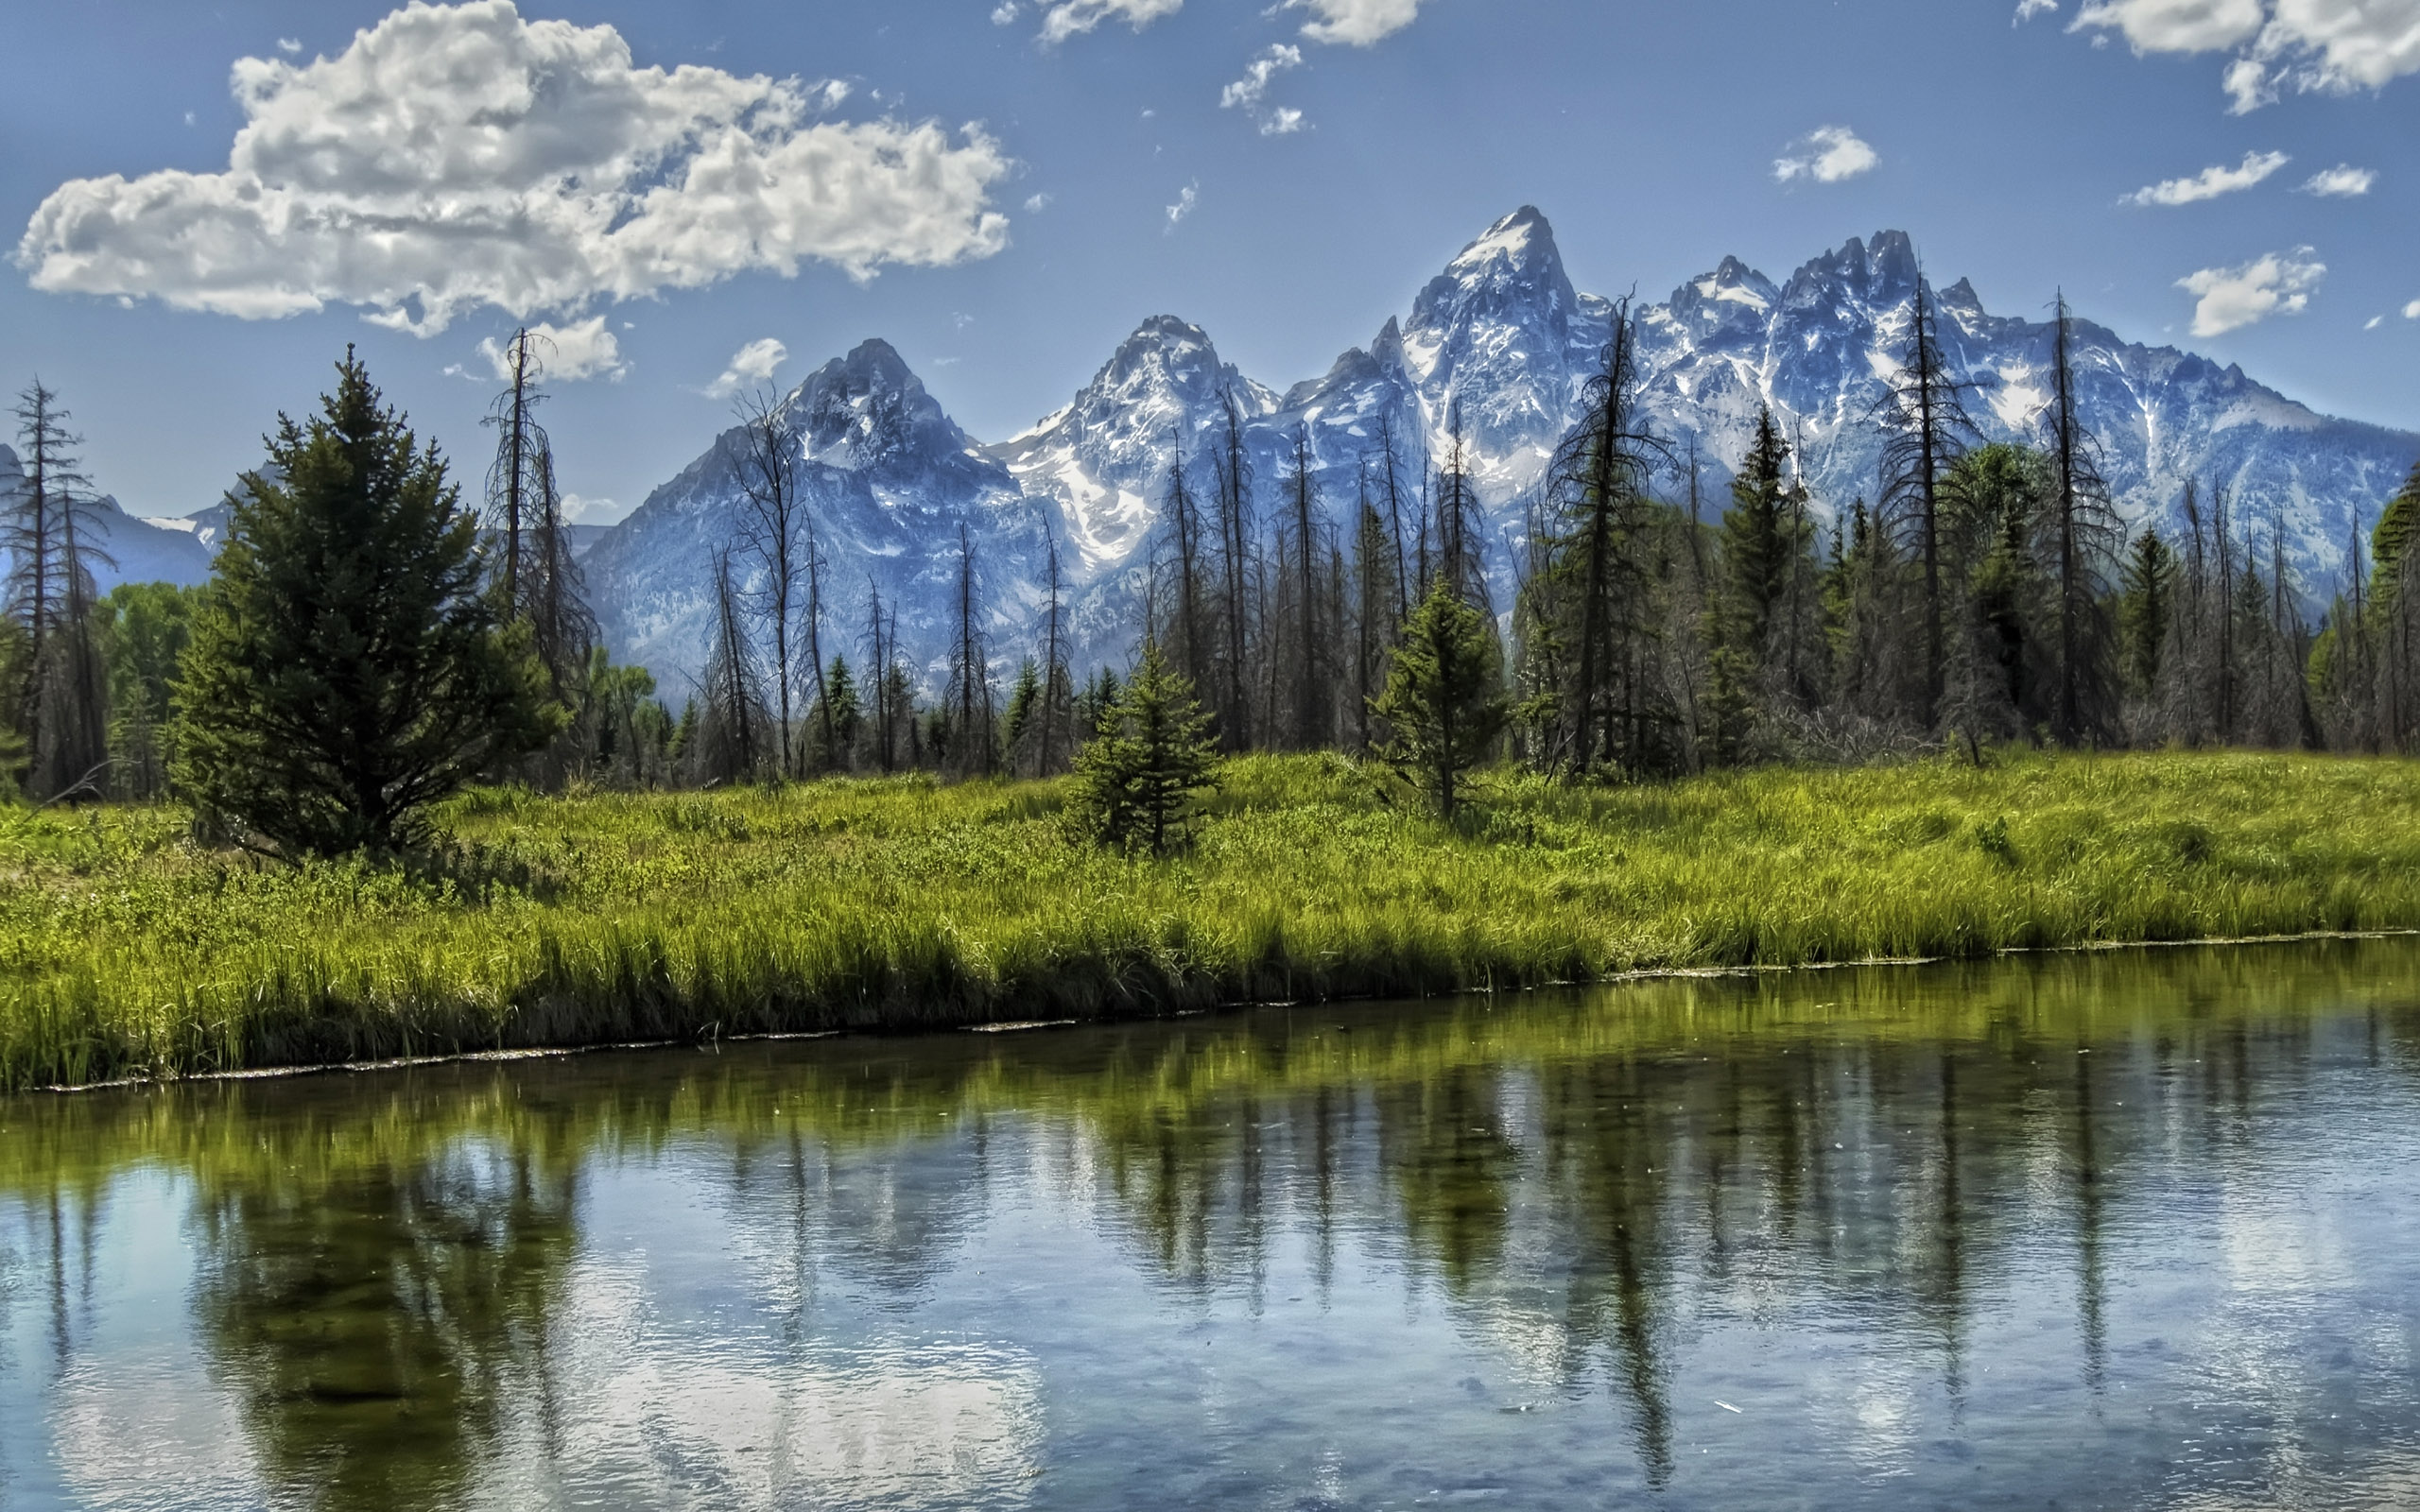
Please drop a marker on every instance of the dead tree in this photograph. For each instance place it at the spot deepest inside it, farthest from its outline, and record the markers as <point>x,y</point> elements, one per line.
<point>51,532</point>
<point>775,539</point>
<point>1924,410</point>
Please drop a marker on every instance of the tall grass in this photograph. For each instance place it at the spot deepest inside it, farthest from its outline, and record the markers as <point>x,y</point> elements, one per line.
<point>123,949</point>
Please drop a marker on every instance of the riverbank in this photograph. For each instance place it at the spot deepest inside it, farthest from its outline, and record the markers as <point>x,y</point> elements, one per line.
<point>602,919</point>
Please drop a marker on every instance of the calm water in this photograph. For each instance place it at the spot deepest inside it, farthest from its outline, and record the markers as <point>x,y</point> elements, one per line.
<point>2124,1230</point>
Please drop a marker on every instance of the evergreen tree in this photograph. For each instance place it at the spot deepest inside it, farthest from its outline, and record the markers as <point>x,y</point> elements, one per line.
<point>346,670</point>
<point>1445,701</point>
<point>1150,754</point>
<point>2145,607</point>
<point>834,722</point>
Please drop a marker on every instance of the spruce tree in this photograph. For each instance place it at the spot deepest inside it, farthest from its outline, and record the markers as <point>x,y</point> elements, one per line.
<point>346,670</point>
<point>1445,701</point>
<point>1150,755</point>
<point>2145,605</point>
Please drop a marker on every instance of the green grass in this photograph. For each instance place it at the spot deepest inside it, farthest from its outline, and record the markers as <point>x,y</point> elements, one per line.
<point>123,949</point>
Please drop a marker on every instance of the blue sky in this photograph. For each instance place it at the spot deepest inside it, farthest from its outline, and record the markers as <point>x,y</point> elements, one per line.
<point>1004,191</point>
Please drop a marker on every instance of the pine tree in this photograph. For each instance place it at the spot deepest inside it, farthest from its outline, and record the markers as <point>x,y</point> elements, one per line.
<point>972,738</point>
<point>1150,755</point>
<point>1445,701</point>
<point>834,720</point>
<point>2084,538</point>
<point>49,531</point>
<point>346,670</point>
<point>1588,591</point>
<point>2145,607</point>
<point>1924,410</point>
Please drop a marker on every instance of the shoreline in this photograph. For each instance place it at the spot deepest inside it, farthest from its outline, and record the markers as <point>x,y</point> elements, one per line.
<point>394,1063</point>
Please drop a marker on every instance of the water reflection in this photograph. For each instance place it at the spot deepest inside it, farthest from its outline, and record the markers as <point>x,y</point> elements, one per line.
<point>2118,1230</point>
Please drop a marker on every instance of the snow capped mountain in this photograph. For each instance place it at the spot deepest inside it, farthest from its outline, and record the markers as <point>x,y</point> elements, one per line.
<point>128,550</point>
<point>1106,458</point>
<point>888,478</point>
<point>1501,341</point>
<point>1821,349</point>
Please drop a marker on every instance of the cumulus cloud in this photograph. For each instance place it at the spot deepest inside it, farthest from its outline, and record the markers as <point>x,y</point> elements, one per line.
<point>457,156</point>
<point>1827,155</point>
<point>2232,297</point>
<point>2027,9</point>
<point>2344,181</point>
<point>1360,22</point>
<point>2210,182</point>
<point>568,353</point>
<point>1068,18</point>
<point>2331,45</point>
<point>1185,199</point>
<point>751,365</point>
<point>2411,311</point>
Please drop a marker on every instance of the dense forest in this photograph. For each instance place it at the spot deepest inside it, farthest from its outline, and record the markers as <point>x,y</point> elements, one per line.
<point>1984,594</point>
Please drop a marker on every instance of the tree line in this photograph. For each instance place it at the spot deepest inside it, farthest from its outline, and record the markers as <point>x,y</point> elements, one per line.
<point>370,640</point>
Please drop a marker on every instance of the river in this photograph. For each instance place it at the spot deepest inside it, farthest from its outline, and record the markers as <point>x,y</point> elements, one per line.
<point>2122,1229</point>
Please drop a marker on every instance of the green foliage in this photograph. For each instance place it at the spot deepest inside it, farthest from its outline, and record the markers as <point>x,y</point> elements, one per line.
<point>606,918</point>
<point>1149,754</point>
<point>346,670</point>
<point>1444,702</point>
<point>143,630</point>
<point>2146,606</point>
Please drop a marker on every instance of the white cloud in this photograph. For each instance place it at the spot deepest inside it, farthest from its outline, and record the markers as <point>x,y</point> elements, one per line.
<point>2411,311</point>
<point>2344,181</point>
<point>1185,199</point>
<point>2374,322</point>
<point>2210,182</point>
<point>2232,297</point>
<point>585,511</point>
<point>1827,155</point>
<point>1036,204</point>
<point>454,157</point>
<point>290,46</point>
<point>1005,15</point>
<point>2027,9</point>
<point>1067,18</point>
<point>566,354</point>
<point>751,365</point>
<point>1360,22</point>
<point>2331,45</point>
<point>1249,91</point>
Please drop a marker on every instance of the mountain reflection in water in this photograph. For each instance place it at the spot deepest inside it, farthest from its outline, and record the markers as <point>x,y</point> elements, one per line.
<point>2126,1230</point>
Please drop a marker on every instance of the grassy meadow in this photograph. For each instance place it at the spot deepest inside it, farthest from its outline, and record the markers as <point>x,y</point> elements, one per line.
<point>126,949</point>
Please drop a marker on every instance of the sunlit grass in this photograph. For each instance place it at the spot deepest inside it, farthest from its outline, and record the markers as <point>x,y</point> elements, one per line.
<point>899,904</point>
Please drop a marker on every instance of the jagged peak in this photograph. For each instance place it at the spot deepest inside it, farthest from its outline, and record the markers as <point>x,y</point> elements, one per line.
<point>1524,240</point>
<point>867,406</point>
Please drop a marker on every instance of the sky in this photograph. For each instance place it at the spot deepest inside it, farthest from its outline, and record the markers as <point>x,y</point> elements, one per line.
<point>209,202</point>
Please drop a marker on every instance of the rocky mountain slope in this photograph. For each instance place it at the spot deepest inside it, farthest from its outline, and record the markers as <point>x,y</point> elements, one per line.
<point>1499,344</point>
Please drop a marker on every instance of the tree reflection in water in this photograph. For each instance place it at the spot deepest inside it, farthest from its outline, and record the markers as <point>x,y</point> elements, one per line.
<point>386,1269</point>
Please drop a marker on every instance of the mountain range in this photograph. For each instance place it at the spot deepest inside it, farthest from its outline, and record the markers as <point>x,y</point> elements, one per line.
<point>1500,345</point>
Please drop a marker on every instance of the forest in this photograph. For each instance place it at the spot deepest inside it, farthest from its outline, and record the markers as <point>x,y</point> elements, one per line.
<point>1985,595</point>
